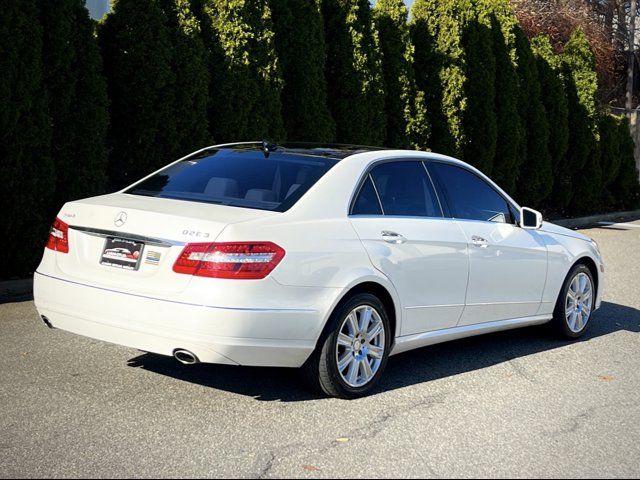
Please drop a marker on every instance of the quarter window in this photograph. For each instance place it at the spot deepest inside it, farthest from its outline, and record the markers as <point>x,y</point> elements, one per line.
<point>405,189</point>
<point>469,196</point>
<point>367,202</point>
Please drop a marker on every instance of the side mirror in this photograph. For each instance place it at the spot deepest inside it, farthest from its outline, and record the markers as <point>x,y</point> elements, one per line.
<point>530,219</point>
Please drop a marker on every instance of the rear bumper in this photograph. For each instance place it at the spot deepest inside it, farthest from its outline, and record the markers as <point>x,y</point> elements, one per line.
<point>224,335</point>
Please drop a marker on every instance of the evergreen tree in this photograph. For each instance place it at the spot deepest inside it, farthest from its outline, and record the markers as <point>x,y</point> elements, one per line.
<point>137,51</point>
<point>612,149</point>
<point>26,169</point>
<point>190,66</point>
<point>299,41</point>
<point>582,154</point>
<point>405,107</point>
<point>353,72</point>
<point>427,64</point>
<point>535,179</point>
<point>77,95</point>
<point>554,99</point>
<point>479,122</point>
<point>499,17</point>
<point>246,82</point>
<point>454,57</point>
<point>625,188</point>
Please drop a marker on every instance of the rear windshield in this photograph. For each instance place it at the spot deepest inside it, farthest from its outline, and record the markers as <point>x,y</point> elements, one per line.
<point>238,178</point>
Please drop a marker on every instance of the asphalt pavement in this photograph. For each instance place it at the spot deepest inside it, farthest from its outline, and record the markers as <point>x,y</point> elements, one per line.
<point>513,404</point>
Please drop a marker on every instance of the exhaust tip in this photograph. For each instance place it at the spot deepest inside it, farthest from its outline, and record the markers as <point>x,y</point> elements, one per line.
<point>46,322</point>
<point>185,357</point>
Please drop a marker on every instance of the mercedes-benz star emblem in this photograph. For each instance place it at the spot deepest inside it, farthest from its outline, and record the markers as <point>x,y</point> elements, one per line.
<point>121,219</point>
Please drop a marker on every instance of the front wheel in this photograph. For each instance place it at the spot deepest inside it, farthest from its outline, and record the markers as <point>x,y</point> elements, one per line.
<point>575,303</point>
<point>353,354</point>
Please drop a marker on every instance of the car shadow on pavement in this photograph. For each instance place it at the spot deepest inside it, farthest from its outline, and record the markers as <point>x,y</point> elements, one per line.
<point>411,368</point>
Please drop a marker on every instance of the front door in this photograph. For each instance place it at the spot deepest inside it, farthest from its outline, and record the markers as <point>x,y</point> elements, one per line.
<point>507,264</point>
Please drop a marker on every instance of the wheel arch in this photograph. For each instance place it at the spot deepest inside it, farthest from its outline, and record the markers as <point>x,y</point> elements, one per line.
<point>374,285</point>
<point>592,266</point>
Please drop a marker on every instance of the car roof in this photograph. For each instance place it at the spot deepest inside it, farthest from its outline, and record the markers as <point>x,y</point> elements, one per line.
<point>335,151</point>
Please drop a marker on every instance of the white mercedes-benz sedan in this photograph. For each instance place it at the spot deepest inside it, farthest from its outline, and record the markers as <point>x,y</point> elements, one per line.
<point>329,258</point>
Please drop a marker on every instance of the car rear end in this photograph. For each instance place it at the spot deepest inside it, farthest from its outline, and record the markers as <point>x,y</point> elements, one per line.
<point>142,267</point>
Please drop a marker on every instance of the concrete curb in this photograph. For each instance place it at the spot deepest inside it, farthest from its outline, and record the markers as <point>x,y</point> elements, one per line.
<point>593,220</point>
<point>21,290</point>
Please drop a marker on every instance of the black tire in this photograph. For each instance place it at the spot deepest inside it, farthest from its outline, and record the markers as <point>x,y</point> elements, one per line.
<point>321,369</point>
<point>560,323</point>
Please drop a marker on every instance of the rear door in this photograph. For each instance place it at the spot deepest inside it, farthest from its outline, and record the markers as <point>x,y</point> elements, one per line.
<point>508,265</point>
<point>398,217</point>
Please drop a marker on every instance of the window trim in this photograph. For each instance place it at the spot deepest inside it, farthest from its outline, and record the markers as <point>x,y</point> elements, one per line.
<point>443,190</point>
<point>367,174</point>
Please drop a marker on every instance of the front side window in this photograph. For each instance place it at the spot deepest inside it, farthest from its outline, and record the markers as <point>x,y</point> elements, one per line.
<point>405,189</point>
<point>238,178</point>
<point>470,197</point>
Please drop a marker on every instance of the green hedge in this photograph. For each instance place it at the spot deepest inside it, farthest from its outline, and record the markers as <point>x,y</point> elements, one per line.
<point>88,107</point>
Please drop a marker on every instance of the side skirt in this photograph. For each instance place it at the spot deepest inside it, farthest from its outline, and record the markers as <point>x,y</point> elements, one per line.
<point>410,342</point>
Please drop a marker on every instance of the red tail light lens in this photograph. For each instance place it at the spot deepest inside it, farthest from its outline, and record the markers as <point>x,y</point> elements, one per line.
<point>59,237</point>
<point>242,260</point>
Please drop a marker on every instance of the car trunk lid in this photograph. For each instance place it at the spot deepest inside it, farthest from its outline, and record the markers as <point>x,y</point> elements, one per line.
<point>130,242</point>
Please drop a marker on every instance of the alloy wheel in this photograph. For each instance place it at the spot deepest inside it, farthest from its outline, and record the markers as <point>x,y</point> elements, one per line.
<point>361,346</point>
<point>579,302</point>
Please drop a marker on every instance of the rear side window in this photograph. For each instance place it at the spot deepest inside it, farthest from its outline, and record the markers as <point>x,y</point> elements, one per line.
<point>405,189</point>
<point>239,178</point>
<point>469,196</point>
<point>367,201</point>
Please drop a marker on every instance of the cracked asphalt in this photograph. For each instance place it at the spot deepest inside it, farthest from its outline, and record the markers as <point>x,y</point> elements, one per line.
<point>514,404</point>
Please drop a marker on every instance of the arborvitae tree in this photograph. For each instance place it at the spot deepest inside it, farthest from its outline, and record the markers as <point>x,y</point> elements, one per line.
<point>405,107</point>
<point>190,66</point>
<point>26,168</point>
<point>498,16</point>
<point>462,53</point>
<point>353,72</point>
<point>136,47</point>
<point>480,128</point>
<point>611,152</point>
<point>77,95</point>
<point>582,154</point>
<point>246,81</point>
<point>625,188</point>
<point>428,63</point>
<point>554,98</point>
<point>535,179</point>
<point>299,40</point>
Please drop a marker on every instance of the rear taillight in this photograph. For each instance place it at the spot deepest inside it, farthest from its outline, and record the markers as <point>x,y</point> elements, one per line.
<point>242,260</point>
<point>59,237</point>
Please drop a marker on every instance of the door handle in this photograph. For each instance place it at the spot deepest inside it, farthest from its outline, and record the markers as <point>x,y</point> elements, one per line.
<point>479,242</point>
<point>392,237</point>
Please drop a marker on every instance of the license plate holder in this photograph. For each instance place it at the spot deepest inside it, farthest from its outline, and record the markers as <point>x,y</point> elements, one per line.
<point>122,253</point>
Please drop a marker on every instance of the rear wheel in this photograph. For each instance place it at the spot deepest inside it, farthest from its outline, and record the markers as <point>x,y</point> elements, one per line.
<point>575,303</point>
<point>351,357</point>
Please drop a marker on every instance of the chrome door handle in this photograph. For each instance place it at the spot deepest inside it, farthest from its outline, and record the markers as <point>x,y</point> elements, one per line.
<point>479,242</point>
<point>392,237</point>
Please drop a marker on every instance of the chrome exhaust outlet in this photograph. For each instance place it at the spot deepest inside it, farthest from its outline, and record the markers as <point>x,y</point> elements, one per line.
<point>46,322</point>
<point>185,357</point>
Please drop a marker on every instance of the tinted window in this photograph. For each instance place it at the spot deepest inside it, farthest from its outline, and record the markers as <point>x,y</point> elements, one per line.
<point>405,189</point>
<point>469,196</point>
<point>367,201</point>
<point>240,178</point>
